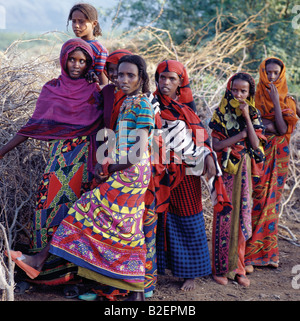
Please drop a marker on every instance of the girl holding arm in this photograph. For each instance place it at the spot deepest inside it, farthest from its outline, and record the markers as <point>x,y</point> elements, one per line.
<point>278,112</point>
<point>237,132</point>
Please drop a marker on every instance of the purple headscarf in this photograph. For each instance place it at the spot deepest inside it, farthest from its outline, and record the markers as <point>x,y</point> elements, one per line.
<point>66,107</point>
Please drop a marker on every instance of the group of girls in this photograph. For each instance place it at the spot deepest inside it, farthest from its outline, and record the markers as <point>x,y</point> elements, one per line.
<point>122,218</point>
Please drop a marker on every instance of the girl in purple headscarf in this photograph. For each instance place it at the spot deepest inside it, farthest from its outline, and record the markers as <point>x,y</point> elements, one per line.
<point>67,117</point>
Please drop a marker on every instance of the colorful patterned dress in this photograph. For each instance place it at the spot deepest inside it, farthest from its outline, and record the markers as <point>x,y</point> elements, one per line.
<point>103,231</point>
<point>65,178</point>
<point>181,237</point>
<point>240,163</point>
<point>262,248</point>
<point>68,118</point>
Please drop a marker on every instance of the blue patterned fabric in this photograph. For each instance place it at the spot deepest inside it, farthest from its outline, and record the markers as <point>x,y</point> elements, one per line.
<point>185,250</point>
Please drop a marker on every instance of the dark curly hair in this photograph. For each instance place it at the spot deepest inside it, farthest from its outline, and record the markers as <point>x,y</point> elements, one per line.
<point>246,77</point>
<point>90,13</point>
<point>142,69</point>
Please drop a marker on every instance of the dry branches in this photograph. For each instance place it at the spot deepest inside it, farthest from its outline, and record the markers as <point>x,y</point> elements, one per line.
<point>22,74</point>
<point>6,271</point>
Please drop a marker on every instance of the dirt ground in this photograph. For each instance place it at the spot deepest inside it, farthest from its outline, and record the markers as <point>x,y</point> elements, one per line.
<point>267,284</point>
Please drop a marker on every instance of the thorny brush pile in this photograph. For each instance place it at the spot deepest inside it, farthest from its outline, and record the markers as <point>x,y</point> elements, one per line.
<point>23,73</point>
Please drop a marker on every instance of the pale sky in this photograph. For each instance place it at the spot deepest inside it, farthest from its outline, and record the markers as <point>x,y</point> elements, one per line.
<point>42,15</point>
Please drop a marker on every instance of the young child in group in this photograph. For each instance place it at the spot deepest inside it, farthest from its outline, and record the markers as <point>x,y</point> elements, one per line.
<point>85,25</point>
<point>66,116</point>
<point>111,93</point>
<point>237,132</point>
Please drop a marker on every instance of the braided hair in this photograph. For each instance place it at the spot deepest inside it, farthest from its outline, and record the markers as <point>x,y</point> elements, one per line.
<point>142,68</point>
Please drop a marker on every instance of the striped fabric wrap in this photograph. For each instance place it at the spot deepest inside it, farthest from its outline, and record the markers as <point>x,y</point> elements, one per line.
<point>100,54</point>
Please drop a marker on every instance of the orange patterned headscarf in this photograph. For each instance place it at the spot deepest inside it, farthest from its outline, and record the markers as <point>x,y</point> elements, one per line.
<point>264,103</point>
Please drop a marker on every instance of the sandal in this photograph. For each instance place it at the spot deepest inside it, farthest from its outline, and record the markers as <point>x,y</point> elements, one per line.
<point>148,294</point>
<point>71,291</point>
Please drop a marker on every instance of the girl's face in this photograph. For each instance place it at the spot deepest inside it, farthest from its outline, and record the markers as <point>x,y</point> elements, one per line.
<point>273,72</point>
<point>168,82</point>
<point>128,78</point>
<point>112,72</point>
<point>76,64</point>
<point>240,89</point>
<point>82,27</point>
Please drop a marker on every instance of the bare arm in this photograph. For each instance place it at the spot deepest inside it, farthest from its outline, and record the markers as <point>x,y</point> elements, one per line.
<point>209,167</point>
<point>102,79</point>
<point>270,126</point>
<point>219,145</point>
<point>14,142</point>
<point>279,121</point>
<point>254,141</point>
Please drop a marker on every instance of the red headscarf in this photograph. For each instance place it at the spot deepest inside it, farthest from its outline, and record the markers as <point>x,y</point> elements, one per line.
<point>185,92</point>
<point>116,55</point>
<point>114,58</point>
<point>179,110</point>
<point>113,97</point>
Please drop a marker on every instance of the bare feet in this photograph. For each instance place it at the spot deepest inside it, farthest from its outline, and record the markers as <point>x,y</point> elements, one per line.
<point>249,269</point>
<point>220,279</point>
<point>188,285</point>
<point>274,265</point>
<point>242,280</point>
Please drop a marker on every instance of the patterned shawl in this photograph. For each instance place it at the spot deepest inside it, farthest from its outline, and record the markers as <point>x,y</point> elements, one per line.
<point>227,121</point>
<point>198,149</point>
<point>66,107</point>
<point>264,103</point>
